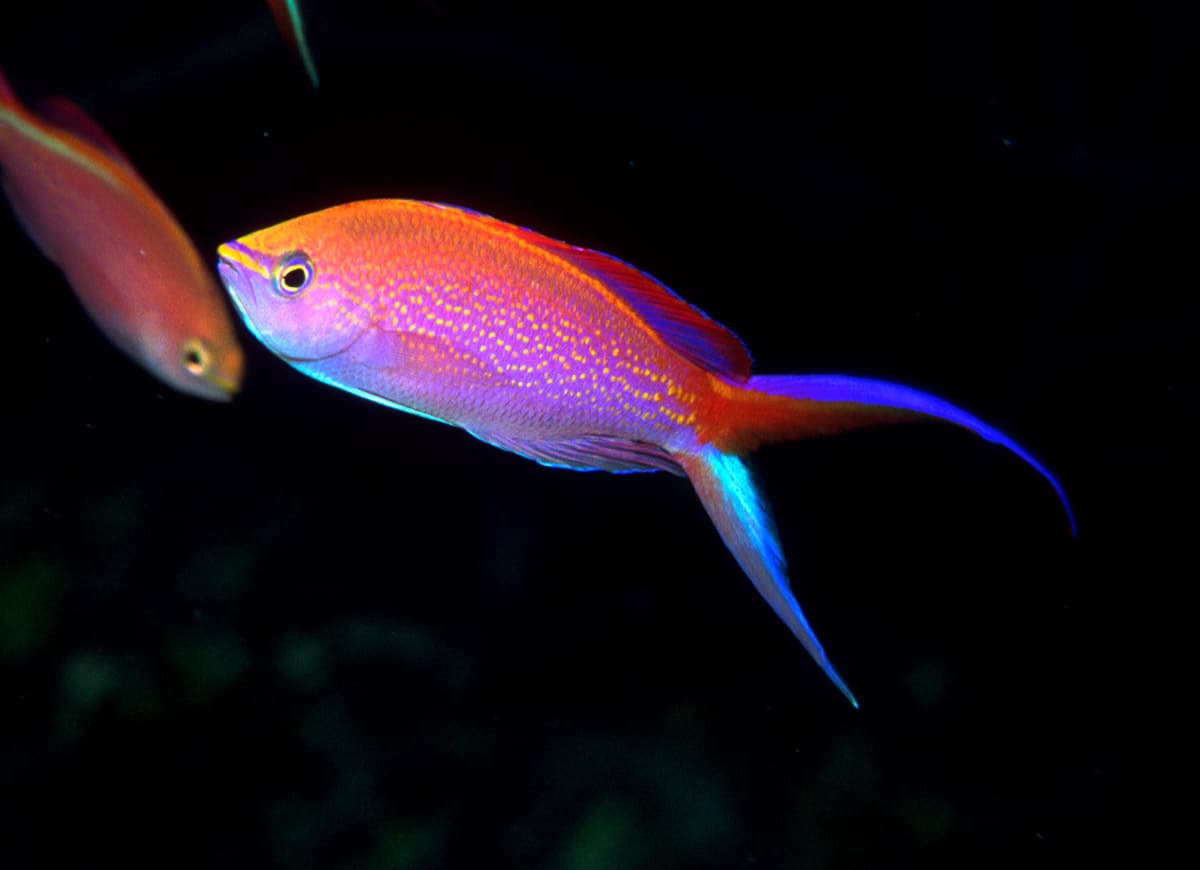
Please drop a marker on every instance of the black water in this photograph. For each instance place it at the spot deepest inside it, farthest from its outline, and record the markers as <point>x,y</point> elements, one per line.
<point>302,630</point>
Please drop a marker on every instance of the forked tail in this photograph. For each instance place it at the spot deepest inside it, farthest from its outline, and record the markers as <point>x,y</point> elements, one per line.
<point>773,408</point>
<point>788,407</point>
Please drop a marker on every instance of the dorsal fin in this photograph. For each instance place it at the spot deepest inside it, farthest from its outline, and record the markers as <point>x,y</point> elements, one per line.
<point>62,113</point>
<point>684,327</point>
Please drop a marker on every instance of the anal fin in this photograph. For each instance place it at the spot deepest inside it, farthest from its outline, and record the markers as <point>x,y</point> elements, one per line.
<point>727,490</point>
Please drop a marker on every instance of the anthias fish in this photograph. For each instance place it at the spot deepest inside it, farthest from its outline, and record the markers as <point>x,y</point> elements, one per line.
<point>130,263</point>
<point>564,355</point>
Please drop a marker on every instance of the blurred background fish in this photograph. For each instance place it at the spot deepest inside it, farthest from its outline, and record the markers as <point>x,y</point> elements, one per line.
<point>130,263</point>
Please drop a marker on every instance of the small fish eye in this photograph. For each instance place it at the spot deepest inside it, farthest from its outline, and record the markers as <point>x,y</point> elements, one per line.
<point>294,274</point>
<point>196,356</point>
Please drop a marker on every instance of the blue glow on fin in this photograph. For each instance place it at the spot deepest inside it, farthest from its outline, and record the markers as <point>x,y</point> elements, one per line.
<point>726,488</point>
<point>310,65</point>
<point>864,391</point>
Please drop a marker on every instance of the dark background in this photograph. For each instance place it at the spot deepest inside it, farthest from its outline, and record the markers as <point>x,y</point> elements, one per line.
<point>303,630</point>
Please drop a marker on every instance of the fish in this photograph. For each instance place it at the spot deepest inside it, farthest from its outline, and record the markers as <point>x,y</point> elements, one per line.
<point>561,354</point>
<point>291,24</point>
<point>132,266</point>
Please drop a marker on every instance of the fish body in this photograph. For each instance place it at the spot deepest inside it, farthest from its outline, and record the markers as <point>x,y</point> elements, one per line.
<point>131,265</point>
<point>561,354</point>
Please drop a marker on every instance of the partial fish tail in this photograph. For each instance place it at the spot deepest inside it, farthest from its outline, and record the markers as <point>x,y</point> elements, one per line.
<point>770,409</point>
<point>774,408</point>
<point>290,21</point>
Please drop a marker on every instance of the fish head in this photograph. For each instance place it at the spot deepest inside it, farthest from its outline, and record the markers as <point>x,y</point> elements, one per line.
<point>207,364</point>
<point>178,324</point>
<point>188,338</point>
<point>292,289</point>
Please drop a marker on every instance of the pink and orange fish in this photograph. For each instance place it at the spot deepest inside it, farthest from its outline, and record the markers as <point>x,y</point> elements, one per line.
<point>564,355</point>
<point>130,263</point>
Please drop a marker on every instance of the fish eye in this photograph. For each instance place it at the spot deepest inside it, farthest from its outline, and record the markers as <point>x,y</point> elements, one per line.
<point>293,274</point>
<point>196,356</point>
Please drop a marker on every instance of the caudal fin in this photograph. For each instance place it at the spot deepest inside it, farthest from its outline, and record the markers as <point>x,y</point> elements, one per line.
<point>727,491</point>
<point>785,407</point>
<point>779,408</point>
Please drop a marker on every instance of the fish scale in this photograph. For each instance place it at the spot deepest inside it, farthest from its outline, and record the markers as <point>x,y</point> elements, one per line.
<point>487,312</point>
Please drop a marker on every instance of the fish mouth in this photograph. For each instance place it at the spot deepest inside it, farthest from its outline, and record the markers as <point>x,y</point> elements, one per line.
<point>228,387</point>
<point>239,255</point>
<point>240,288</point>
<point>236,283</point>
<point>237,266</point>
<point>229,375</point>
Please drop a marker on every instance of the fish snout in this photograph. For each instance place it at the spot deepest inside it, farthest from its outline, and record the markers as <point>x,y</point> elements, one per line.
<point>236,282</point>
<point>230,371</point>
<point>239,283</point>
